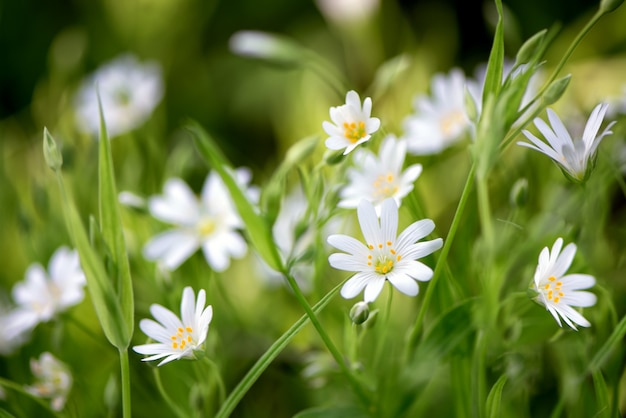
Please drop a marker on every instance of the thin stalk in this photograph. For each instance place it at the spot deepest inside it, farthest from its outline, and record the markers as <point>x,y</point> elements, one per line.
<point>125,370</point>
<point>417,327</point>
<point>484,214</point>
<point>20,389</point>
<point>172,405</point>
<point>479,378</point>
<point>385,326</point>
<point>266,359</point>
<point>221,388</point>
<point>356,385</point>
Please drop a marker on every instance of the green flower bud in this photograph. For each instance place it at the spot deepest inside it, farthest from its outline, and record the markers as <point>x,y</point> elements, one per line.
<point>519,193</point>
<point>607,6</point>
<point>51,153</point>
<point>334,157</point>
<point>530,47</point>
<point>556,90</point>
<point>360,312</point>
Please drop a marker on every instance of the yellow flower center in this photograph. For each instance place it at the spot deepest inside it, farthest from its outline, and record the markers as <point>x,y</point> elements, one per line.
<point>382,257</point>
<point>182,338</point>
<point>385,186</point>
<point>552,290</point>
<point>354,131</point>
<point>206,227</point>
<point>449,122</point>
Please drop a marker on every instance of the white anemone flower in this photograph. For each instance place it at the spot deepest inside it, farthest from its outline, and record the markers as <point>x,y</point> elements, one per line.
<point>210,223</point>
<point>177,337</point>
<point>129,91</point>
<point>54,380</point>
<point>378,177</point>
<point>385,255</point>
<point>557,291</point>
<point>572,155</point>
<point>43,293</point>
<point>441,120</point>
<point>352,124</point>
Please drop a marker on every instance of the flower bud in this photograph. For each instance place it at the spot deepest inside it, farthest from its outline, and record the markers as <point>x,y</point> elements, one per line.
<point>334,157</point>
<point>519,193</point>
<point>556,90</point>
<point>266,46</point>
<point>528,49</point>
<point>51,153</point>
<point>607,6</point>
<point>360,312</point>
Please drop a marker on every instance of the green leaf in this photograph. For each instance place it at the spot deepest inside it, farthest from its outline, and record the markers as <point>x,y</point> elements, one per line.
<point>257,229</point>
<point>493,78</point>
<point>614,341</point>
<point>333,412</point>
<point>103,295</point>
<point>602,396</point>
<point>495,397</point>
<point>111,225</point>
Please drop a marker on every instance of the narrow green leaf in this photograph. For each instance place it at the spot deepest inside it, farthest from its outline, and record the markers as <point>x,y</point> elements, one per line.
<point>266,359</point>
<point>111,226</point>
<point>602,396</point>
<point>495,397</point>
<point>99,286</point>
<point>493,78</point>
<point>332,412</point>
<point>614,341</point>
<point>257,228</point>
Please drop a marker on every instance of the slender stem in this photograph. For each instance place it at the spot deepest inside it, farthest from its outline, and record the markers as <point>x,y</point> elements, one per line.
<point>356,385</point>
<point>20,389</point>
<point>125,369</point>
<point>484,213</point>
<point>173,406</point>
<point>221,388</point>
<point>266,359</point>
<point>417,327</point>
<point>385,326</point>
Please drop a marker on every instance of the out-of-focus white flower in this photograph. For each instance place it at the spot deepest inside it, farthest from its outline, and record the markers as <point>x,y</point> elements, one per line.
<point>129,91</point>
<point>177,337</point>
<point>347,11</point>
<point>352,124</point>
<point>210,222</point>
<point>378,177</point>
<point>44,294</point>
<point>131,200</point>
<point>559,292</point>
<point>10,339</point>
<point>385,255</point>
<point>53,380</point>
<point>573,156</point>
<point>438,121</point>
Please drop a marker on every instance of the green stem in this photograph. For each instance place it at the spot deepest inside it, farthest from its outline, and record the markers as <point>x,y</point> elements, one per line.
<point>125,369</point>
<point>417,327</point>
<point>266,359</point>
<point>484,213</point>
<point>356,386</point>
<point>20,389</point>
<point>221,388</point>
<point>383,335</point>
<point>173,406</point>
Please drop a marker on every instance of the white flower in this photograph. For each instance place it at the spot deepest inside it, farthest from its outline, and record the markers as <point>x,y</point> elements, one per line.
<point>385,256</point>
<point>44,294</point>
<point>129,91</point>
<point>347,11</point>
<point>439,121</point>
<point>376,178</point>
<point>177,338</point>
<point>210,222</point>
<point>559,292</point>
<point>351,125</point>
<point>54,380</point>
<point>572,156</point>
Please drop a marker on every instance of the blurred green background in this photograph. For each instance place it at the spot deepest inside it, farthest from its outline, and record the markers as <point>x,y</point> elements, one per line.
<point>255,110</point>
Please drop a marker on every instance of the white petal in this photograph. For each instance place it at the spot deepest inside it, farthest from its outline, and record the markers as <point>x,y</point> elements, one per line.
<point>368,220</point>
<point>578,281</point>
<point>348,262</point>
<point>155,330</point>
<point>389,220</point>
<point>419,271</point>
<point>187,306</point>
<point>569,313</point>
<point>414,232</point>
<point>373,289</point>
<point>579,298</point>
<point>166,317</point>
<point>403,283</point>
<point>356,283</point>
<point>563,261</point>
<point>336,143</point>
<point>172,247</point>
<point>422,249</point>
<point>347,244</point>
